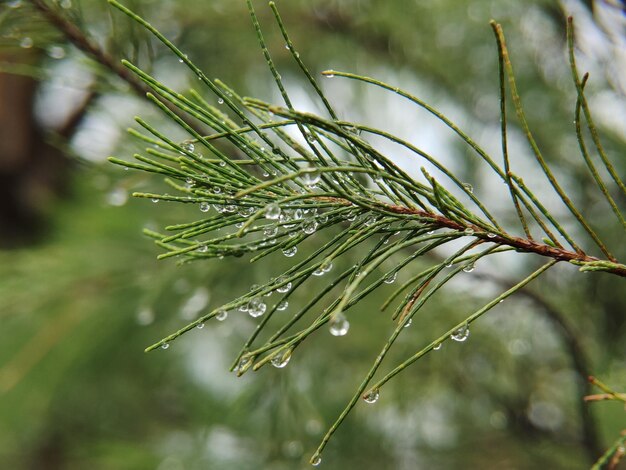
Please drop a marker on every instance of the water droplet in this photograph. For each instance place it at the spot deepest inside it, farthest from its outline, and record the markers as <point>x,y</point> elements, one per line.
<point>217,190</point>
<point>339,325</point>
<point>155,199</point>
<point>449,265</point>
<point>165,345</point>
<point>289,252</point>
<point>391,278</point>
<point>323,218</point>
<point>205,206</point>
<point>287,46</point>
<point>282,305</point>
<point>200,326</point>
<point>270,230</point>
<point>256,307</point>
<point>311,178</point>
<point>230,208</point>
<point>56,52</point>
<point>371,396</point>
<point>469,268</point>
<point>437,347</point>
<point>326,266</point>
<point>285,288</point>
<point>246,211</point>
<point>188,146</point>
<point>180,60</point>
<point>220,101</point>
<point>468,231</point>
<point>309,226</point>
<point>243,308</point>
<point>26,43</point>
<point>203,248</point>
<point>461,334</point>
<point>491,235</point>
<point>281,359</point>
<point>221,315</point>
<point>272,211</point>
<point>430,232</point>
<point>329,74</point>
<point>407,324</point>
<point>468,187</point>
<point>318,272</point>
<point>244,365</point>
<point>316,460</point>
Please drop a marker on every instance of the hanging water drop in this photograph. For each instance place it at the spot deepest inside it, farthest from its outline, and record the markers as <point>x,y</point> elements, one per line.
<point>281,359</point>
<point>461,334</point>
<point>256,307</point>
<point>491,235</point>
<point>26,43</point>
<point>56,52</point>
<point>283,288</point>
<point>200,326</point>
<point>309,226</point>
<point>270,230</point>
<point>468,187</point>
<point>165,345</point>
<point>311,177</point>
<point>155,199</point>
<point>282,305</point>
<point>407,324</point>
<point>220,101</point>
<point>468,231</point>
<point>329,73</point>
<point>205,206</point>
<point>316,460</point>
<point>469,268</point>
<point>203,248</point>
<point>339,325</point>
<point>391,278</point>
<point>326,266</point>
<point>289,252</point>
<point>221,315</point>
<point>244,365</point>
<point>372,396</point>
<point>438,347</point>
<point>318,272</point>
<point>272,211</point>
<point>188,146</point>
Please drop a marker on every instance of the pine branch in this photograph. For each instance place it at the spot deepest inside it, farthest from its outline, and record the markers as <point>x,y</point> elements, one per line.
<point>339,201</point>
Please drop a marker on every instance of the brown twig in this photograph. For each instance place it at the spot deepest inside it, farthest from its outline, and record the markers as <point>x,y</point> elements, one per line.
<point>586,262</point>
<point>78,38</point>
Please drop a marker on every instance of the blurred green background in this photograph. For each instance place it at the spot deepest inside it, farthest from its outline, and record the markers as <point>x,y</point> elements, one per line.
<point>81,292</point>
